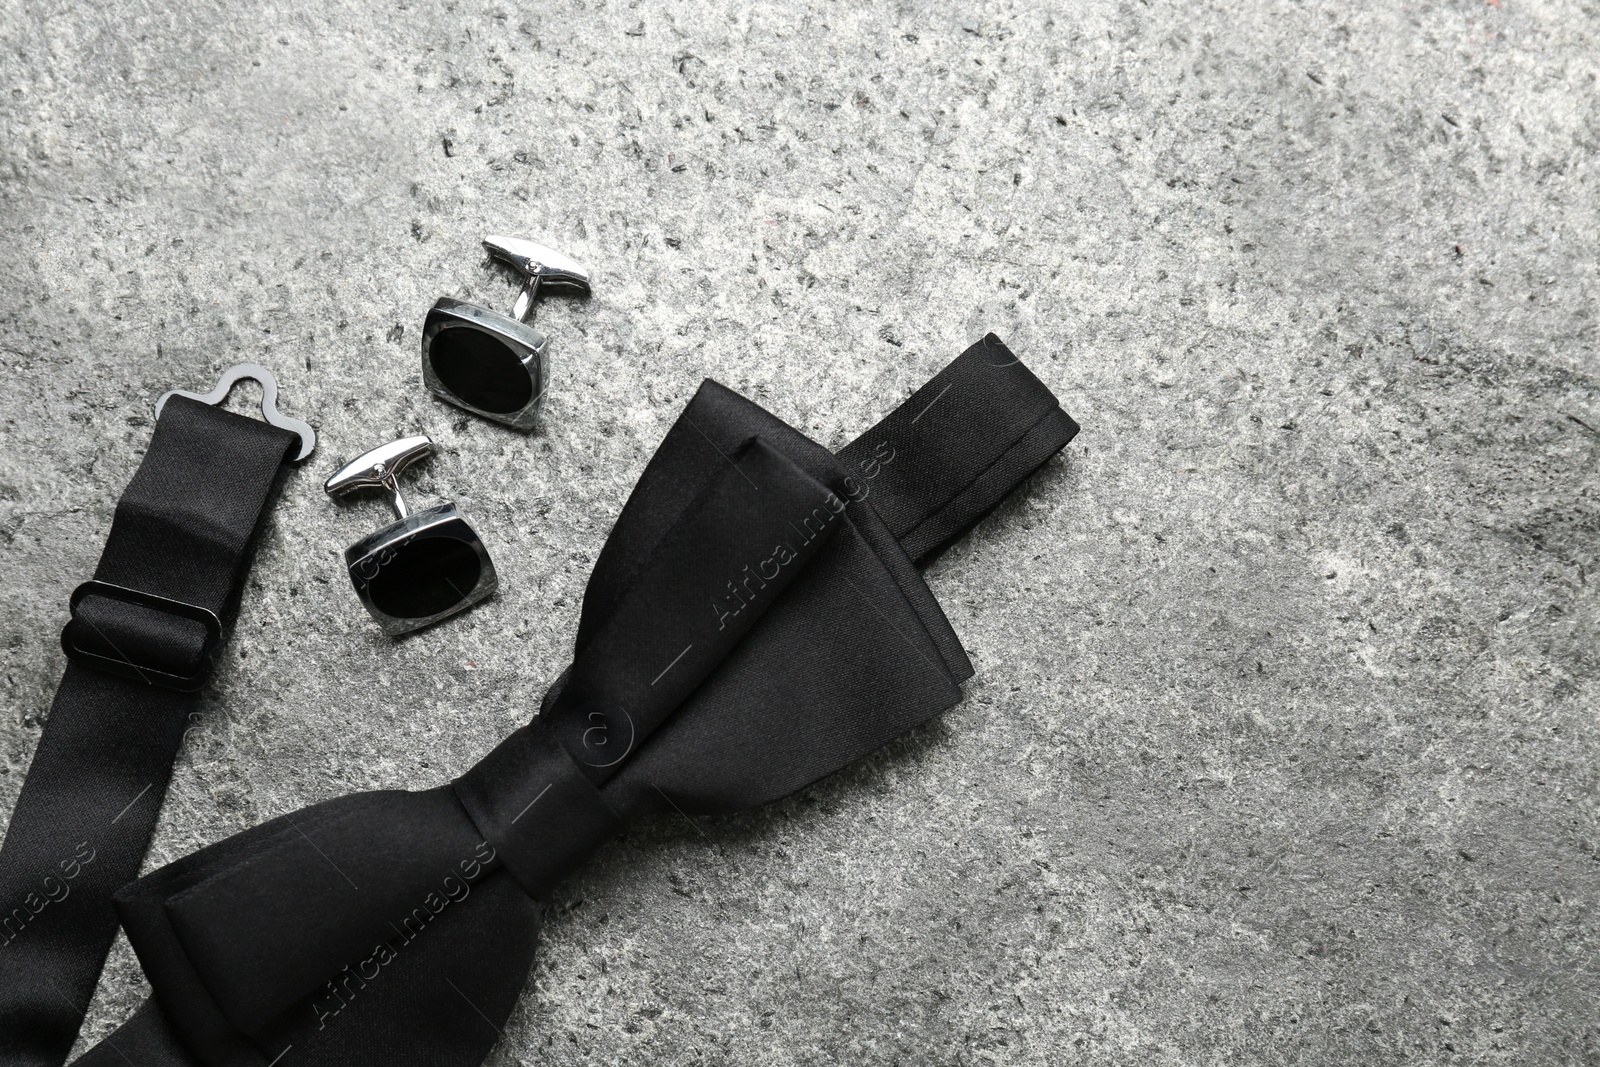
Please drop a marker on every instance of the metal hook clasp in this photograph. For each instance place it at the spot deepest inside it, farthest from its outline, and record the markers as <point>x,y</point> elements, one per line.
<point>380,469</point>
<point>269,402</point>
<point>540,266</point>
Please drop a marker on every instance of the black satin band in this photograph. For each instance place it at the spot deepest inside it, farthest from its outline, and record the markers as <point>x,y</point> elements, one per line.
<point>943,459</point>
<point>183,531</point>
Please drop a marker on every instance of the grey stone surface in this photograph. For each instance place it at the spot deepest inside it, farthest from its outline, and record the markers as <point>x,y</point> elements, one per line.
<point>1282,746</point>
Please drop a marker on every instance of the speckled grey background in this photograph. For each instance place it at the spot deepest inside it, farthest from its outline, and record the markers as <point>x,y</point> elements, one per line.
<point>1282,746</point>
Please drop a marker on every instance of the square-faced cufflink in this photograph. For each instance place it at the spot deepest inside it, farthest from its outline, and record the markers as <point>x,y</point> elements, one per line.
<point>495,365</point>
<point>423,567</point>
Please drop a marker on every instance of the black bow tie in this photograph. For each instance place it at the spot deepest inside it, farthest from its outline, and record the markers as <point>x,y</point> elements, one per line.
<point>755,621</point>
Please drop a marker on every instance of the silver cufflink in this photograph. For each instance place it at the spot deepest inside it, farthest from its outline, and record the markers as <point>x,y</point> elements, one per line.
<point>423,567</point>
<point>491,364</point>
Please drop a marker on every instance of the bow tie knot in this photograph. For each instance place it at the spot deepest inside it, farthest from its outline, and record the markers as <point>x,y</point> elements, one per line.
<point>538,812</point>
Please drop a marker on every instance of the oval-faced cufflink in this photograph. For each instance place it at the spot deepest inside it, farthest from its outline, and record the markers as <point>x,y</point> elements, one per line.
<point>423,567</point>
<point>491,364</point>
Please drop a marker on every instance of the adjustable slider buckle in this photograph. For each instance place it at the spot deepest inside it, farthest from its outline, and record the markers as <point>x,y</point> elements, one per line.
<point>183,683</point>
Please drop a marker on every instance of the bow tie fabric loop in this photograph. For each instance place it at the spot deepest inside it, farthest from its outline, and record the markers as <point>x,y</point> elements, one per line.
<point>753,623</point>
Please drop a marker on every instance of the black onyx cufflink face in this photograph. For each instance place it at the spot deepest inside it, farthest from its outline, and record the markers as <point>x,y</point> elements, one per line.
<point>491,364</point>
<point>423,567</point>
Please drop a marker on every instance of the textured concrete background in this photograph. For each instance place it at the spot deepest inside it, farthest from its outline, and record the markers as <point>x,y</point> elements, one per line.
<point>1282,746</point>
